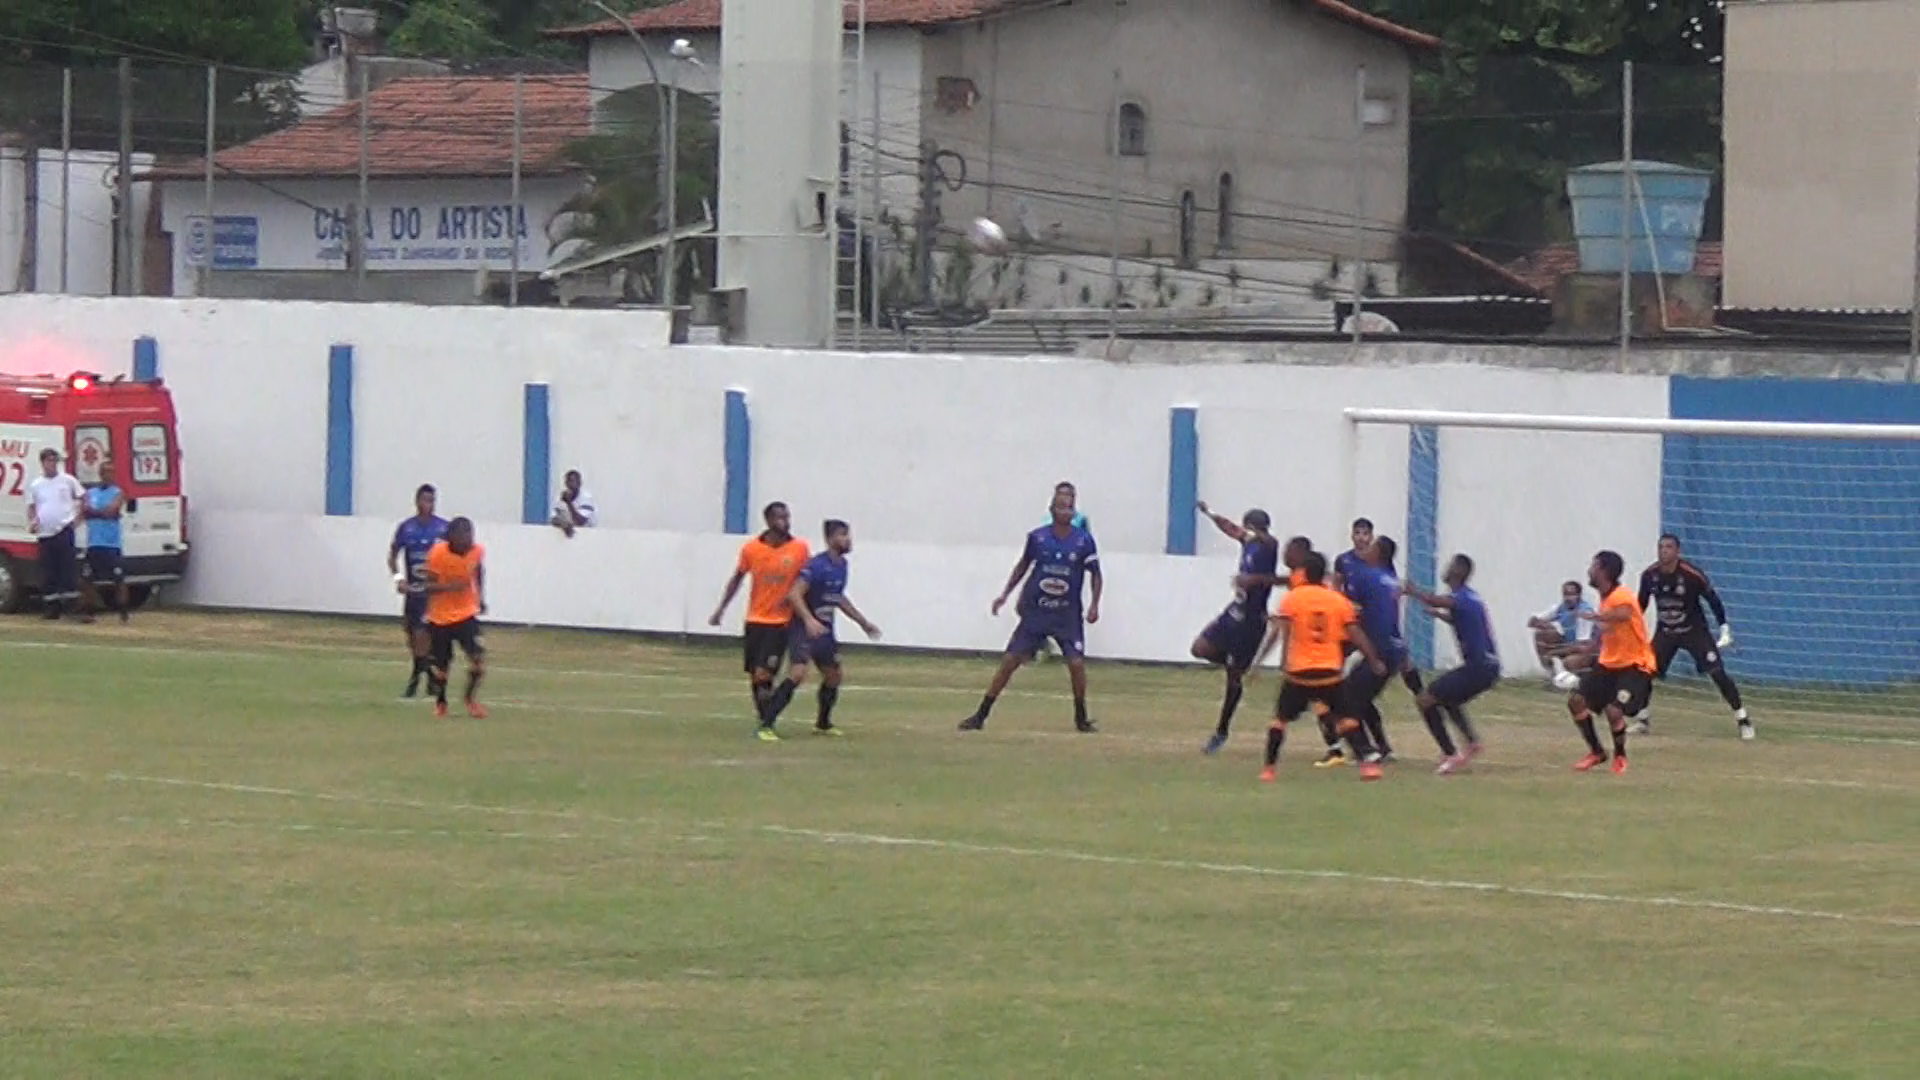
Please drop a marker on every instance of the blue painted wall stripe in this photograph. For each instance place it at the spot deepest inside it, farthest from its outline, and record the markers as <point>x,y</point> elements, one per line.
<point>1183,480</point>
<point>340,431</point>
<point>536,456</point>
<point>739,463</point>
<point>1423,533</point>
<point>146,359</point>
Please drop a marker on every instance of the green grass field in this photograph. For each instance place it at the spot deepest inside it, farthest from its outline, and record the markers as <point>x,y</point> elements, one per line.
<point>226,850</point>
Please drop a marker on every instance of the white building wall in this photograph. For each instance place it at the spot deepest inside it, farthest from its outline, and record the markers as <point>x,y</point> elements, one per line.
<point>941,463</point>
<point>88,216</point>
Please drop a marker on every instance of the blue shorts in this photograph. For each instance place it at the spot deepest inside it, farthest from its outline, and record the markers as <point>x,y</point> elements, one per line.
<point>1463,684</point>
<point>1235,641</point>
<point>413,611</point>
<point>820,652</point>
<point>1034,630</point>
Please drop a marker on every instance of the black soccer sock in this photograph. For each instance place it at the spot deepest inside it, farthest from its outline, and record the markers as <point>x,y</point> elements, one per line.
<point>762,693</point>
<point>1413,681</point>
<point>1080,712</point>
<point>1729,692</point>
<point>473,683</point>
<point>1459,717</point>
<point>1437,726</point>
<point>986,707</point>
<point>1276,737</point>
<point>437,683</point>
<point>1376,727</point>
<point>1620,740</point>
<point>1585,724</point>
<point>1327,731</point>
<point>829,696</point>
<point>1227,706</point>
<point>778,701</point>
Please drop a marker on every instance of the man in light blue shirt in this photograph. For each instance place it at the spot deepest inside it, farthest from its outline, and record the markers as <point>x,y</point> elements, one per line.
<point>1563,634</point>
<point>102,507</point>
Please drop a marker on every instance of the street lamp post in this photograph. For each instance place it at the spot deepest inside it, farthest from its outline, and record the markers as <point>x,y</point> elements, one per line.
<point>662,104</point>
<point>682,52</point>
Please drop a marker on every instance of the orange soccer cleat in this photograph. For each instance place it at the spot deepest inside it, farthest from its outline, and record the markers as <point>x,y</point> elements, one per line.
<point>1267,775</point>
<point>439,708</point>
<point>1589,763</point>
<point>1620,766</point>
<point>1371,771</point>
<point>476,710</point>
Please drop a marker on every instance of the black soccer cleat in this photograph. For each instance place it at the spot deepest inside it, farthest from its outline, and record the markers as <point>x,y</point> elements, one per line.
<point>976,722</point>
<point>1085,727</point>
<point>413,688</point>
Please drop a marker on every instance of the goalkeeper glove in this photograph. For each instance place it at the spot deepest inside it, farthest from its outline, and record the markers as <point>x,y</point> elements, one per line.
<point>1726,635</point>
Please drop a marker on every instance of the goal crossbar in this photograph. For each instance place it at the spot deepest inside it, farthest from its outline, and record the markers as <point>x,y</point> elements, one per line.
<point>1635,425</point>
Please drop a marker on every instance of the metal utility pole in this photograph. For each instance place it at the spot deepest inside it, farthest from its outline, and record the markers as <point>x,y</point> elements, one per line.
<point>873,182</point>
<point>360,211</point>
<point>929,215</point>
<point>66,170</point>
<point>1626,212</point>
<point>513,221</point>
<point>1113,214</point>
<point>1359,200</point>
<point>206,194</point>
<point>123,183</point>
<point>1913,314</point>
<point>669,293</point>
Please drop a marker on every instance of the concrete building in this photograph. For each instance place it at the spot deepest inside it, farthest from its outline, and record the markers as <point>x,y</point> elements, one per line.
<point>440,222</point>
<point>1822,130</point>
<point>1251,167</point>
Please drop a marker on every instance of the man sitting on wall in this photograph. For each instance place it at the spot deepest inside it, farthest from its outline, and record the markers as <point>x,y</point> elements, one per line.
<point>574,509</point>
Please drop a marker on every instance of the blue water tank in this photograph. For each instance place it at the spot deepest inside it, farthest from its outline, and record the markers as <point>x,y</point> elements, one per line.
<point>1663,229</point>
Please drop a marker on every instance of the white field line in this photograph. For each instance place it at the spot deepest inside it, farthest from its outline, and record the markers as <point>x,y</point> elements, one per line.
<point>1008,851</point>
<point>1383,880</point>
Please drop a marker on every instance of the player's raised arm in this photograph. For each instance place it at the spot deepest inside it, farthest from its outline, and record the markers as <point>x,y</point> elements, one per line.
<point>1437,601</point>
<point>1233,529</point>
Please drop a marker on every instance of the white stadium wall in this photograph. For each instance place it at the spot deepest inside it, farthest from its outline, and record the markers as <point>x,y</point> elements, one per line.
<point>942,463</point>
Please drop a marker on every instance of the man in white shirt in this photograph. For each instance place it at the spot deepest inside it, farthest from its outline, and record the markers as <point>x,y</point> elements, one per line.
<point>53,506</point>
<point>574,509</point>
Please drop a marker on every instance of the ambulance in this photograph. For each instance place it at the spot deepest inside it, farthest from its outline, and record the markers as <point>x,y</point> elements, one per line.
<point>89,419</point>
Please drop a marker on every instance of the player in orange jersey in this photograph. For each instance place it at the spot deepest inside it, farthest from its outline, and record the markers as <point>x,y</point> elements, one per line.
<point>1317,622</point>
<point>456,590</point>
<point>1621,678</point>
<point>773,560</point>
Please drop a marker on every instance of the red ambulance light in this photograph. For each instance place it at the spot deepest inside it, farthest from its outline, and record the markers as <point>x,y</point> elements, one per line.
<point>81,382</point>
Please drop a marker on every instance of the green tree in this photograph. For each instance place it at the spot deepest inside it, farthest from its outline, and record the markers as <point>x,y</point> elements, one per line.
<point>622,159</point>
<point>1527,89</point>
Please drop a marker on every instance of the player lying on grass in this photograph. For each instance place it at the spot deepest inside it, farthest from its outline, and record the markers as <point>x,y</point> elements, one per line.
<point>1057,559</point>
<point>1677,589</point>
<point>1315,621</point>
<point>1479,670</point>
<point>1231,639</point>
<point>1620,681</point>
<point>819,593</point>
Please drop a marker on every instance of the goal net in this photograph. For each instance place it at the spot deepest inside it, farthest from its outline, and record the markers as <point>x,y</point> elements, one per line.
<point>1809,532</point>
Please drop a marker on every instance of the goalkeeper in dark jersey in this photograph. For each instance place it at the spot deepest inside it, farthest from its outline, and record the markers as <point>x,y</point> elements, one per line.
<point>1677,589</point>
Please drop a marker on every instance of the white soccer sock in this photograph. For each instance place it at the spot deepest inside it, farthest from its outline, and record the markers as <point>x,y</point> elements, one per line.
<point>1643,715</point>
<point>1740,714</point>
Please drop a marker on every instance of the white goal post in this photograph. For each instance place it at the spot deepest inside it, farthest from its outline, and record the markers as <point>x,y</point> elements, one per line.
<point>1809,531</point>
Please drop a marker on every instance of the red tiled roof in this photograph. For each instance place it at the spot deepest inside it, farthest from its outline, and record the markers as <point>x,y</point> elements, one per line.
<point>451,126</point>
<point>1544,268</point>
<point>699,15</point>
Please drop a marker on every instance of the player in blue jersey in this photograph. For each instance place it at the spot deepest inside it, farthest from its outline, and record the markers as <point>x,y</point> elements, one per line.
<point>1351,561</point>
<point>1232,639</point>
<point>1372,587</point>
<point>1057,560</point>
<point>412,541</point>
<point>1479,668</point>
<point>819,593</point>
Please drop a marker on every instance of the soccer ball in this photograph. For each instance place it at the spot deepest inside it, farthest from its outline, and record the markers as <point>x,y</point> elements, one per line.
<point>987,237</point>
